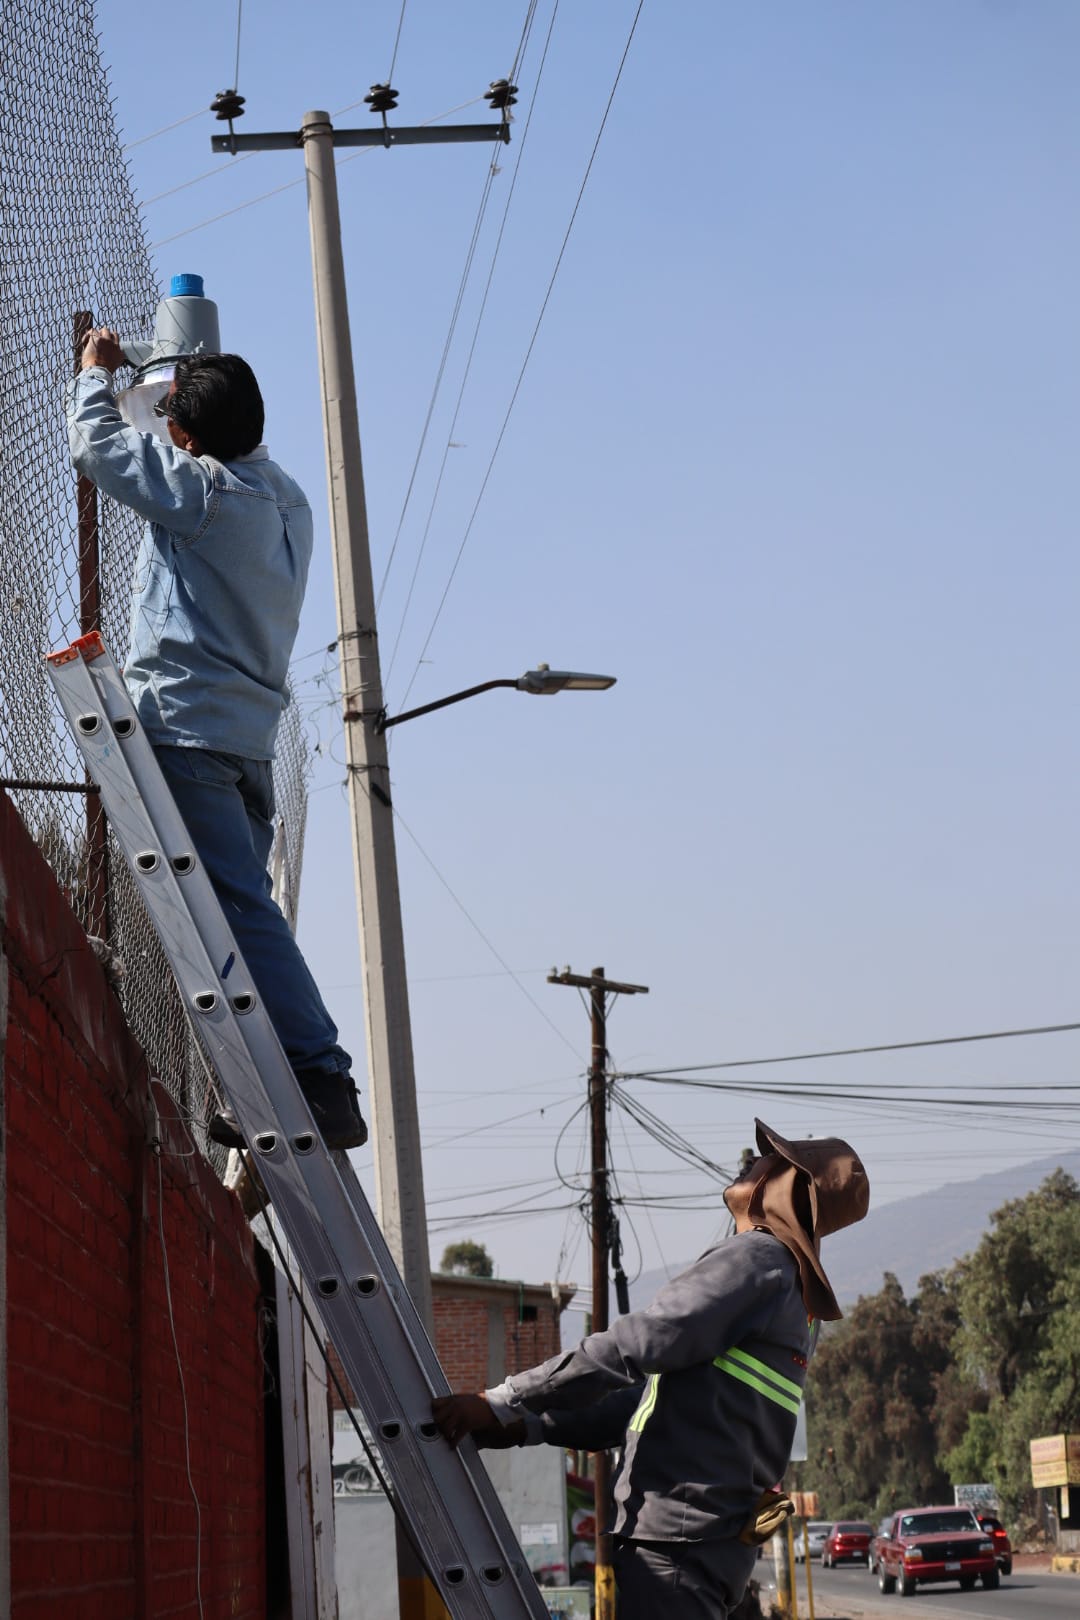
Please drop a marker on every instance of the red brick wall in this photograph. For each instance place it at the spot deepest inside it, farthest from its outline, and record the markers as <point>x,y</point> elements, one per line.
<point>528,1343</point>
<point>103,1524</point>
<point>464,1330</point>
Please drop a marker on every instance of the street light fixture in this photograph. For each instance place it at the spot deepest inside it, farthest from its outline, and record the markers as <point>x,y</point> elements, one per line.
<point>541,681</point>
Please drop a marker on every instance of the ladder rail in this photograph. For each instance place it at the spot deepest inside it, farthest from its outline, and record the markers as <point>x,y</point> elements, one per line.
<point>220,947</point>
<point>462,1532</point>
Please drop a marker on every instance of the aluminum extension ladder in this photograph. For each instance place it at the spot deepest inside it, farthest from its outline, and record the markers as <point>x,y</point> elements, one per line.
<point>461,1533</point>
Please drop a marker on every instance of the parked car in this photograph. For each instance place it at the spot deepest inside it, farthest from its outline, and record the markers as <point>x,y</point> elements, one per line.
<point>1000,1537</point>
<point>848,1542</point>
<point>936,1544</point>
<point>816,1531</point>
<point>880,1534</point>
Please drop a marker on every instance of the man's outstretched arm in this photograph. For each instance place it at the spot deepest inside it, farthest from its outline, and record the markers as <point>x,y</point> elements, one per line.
<point>597,1428</point>
<point>163,484</point>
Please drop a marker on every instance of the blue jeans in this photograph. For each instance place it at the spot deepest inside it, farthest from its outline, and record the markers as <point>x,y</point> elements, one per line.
<point>228,808</point>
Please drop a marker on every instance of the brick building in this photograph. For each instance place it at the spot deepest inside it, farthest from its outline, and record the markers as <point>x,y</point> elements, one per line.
<point>487,1327</point>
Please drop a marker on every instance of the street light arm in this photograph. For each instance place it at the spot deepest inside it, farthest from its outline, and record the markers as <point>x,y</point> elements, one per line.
<point>383,721</point>
<point>542,679</point>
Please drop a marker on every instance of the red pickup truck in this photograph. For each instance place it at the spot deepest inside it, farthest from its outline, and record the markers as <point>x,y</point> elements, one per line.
<point>935,1544</point>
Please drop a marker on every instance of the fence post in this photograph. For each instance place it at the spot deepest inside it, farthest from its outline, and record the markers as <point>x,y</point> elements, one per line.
<point>97,845</point>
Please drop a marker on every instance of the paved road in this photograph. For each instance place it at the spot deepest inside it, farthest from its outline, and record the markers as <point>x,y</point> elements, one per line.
<point>852,1594</point>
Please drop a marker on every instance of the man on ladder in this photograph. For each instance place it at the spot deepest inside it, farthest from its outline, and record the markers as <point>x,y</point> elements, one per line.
<point>218,590</point>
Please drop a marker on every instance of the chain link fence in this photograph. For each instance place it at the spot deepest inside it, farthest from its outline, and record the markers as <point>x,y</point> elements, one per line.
<point>73,252</point>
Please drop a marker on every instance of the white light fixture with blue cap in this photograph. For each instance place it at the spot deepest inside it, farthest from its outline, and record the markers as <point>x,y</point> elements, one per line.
<point>186,322</point>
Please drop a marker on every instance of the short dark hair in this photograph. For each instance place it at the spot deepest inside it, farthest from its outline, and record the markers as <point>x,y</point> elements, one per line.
<point>217,400</point>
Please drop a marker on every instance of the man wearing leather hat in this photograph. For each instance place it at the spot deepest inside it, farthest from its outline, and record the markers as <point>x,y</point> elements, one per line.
<point>701,1389</point>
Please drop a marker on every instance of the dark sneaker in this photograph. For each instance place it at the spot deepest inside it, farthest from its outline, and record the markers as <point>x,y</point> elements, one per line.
<point>334,1104</point>
<point>224,1128</point>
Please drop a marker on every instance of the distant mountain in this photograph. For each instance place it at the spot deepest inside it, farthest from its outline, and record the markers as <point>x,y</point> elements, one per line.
<point>910,1236</point>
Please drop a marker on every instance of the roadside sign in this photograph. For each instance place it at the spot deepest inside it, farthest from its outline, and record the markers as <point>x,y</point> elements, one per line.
<point>1055,1460</point>
<point>977,1496</point>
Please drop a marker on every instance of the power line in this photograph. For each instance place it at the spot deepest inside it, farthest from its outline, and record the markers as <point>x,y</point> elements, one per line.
<point>522,143</point>
<point>860,1088</point>
<point>476,926</point>
<point>455,313</point>
<point>532,340</point>
<point>488,1217</point>
<point>397,42</point>
<point>239,18</point>
<point>207,174</point>
<point>129,146</point>
<point>490,1125</point>
<point>849,1051</point>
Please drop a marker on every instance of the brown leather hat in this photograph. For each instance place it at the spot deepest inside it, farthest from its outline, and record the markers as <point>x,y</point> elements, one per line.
<point>800,1192</point>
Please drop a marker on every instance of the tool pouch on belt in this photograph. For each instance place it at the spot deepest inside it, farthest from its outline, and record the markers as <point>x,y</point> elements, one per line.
<point>770,1512</point>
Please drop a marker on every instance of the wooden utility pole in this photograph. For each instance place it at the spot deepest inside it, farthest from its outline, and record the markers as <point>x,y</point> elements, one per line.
<point>599,989</point>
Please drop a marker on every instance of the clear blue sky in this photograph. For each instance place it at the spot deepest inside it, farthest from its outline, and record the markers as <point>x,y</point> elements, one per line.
<point>793,458</point>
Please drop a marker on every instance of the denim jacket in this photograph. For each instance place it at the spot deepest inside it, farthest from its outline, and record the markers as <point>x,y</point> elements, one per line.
<point>219,580</point>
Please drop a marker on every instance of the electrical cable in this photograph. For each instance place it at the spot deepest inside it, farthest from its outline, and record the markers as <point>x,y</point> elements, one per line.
<point>667,1136</point>
<point>488,180</point>
<point>569,1185</point>
<point>472,349</point>
<point>851,1051</point>
<point>476,926</point>
<point>207,174</point>
<point>510,1186</point>
<point>515,1211</point>
<point>491,1125</point>
<point>440,372</point>
<point>565,1253</point>
<point>526,33</point>
<point>129,146</point>
<point>648,1214</point>
<point>397,42</point>
<point>236,70</point>
<point>532,343</point>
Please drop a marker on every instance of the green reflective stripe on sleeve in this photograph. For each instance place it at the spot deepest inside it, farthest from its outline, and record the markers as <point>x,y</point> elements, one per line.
<point>745,1377</point>
<point>766,1371</point>
<point>648,1402</point>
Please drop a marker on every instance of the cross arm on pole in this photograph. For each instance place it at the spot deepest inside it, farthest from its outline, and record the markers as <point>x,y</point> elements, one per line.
<point>596,981</point>
<point>408,135</point>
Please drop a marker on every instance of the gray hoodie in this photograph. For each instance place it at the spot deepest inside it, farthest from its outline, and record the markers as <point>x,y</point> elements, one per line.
<point>701,1389</point>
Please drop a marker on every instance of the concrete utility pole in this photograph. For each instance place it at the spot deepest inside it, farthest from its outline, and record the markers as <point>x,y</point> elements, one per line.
<point>395,1129</point>
<point>602,1229</point>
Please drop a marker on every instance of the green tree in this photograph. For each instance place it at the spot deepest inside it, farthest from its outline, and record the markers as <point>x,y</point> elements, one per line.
<point>467,1260</point>
<point>974,1458</point>
<point>1010,1286</point>
<point>881,1386</point>
<point>1019,1296</point>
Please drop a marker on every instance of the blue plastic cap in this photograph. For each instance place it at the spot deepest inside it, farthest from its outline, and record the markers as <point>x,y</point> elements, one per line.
<point>186,286</point>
